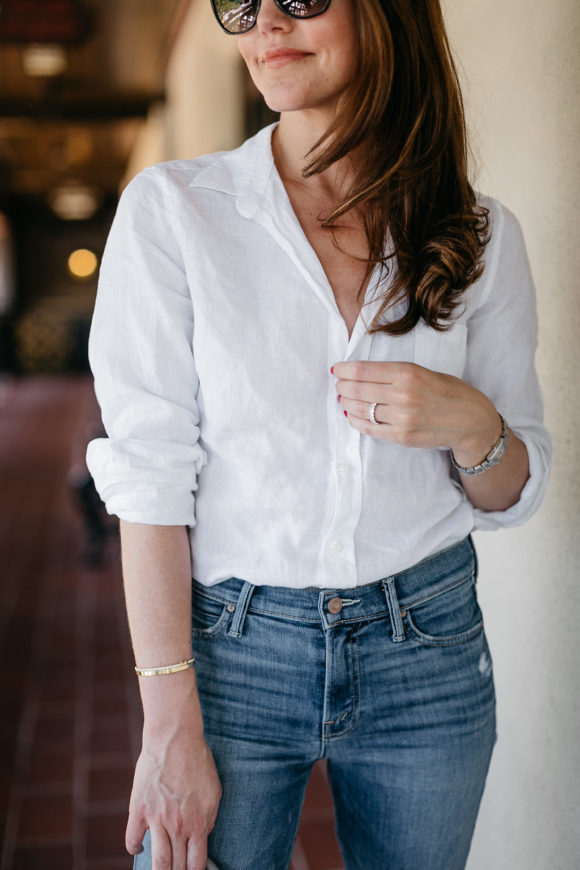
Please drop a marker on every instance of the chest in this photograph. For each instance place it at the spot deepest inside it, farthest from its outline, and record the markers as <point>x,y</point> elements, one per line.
<point>342,255</point>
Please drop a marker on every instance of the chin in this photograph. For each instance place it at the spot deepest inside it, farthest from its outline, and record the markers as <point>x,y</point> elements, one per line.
<point>282,106</point>
<point>277,102</point>
<point>284,95</point>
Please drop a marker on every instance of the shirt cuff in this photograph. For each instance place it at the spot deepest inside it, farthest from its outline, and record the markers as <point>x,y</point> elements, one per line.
<point>539,454</point>
<point>149,482</point>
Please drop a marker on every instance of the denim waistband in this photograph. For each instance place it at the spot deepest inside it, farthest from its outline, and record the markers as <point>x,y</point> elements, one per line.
<point>394,594</point>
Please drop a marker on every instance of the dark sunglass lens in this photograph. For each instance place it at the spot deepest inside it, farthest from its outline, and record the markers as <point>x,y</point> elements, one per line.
<point>304,8</point>
<point>236,16</point>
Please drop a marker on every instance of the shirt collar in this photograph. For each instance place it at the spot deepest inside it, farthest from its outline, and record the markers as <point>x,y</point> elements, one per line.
<point>243,172</point>
<point>248,173</point>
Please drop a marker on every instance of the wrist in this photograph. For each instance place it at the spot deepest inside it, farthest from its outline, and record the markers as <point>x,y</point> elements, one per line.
<point>475,445</point>
<point>496,453</point>
<point>169,701</point>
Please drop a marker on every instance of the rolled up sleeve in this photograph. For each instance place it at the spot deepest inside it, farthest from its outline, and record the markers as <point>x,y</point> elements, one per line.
<point>502,341</point>
<point>141,356</point>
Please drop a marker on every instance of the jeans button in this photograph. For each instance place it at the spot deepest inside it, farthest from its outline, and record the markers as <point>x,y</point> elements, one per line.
<point>335,605</point>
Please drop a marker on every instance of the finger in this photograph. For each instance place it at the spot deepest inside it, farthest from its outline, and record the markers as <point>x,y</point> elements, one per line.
<point>178,854</point>
<point>362,410</point>
<point>134,833</point>
<point>369,371</point>
<point>404,416</point>
<point>382,430</point>
<point>396,432</point>
<point>196,854</point>
<point>160,849</point>
<point>365,391</point>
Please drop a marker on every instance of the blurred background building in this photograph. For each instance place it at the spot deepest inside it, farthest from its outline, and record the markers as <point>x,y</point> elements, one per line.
<point>92,91</point>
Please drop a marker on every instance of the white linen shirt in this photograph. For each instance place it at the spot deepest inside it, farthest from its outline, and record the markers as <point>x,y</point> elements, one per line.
<point>211,343</point>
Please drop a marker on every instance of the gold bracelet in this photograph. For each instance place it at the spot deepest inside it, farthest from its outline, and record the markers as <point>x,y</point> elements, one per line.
<point>165,669</point>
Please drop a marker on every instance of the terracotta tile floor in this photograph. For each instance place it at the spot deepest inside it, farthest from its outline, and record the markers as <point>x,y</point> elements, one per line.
<point>70,724</point>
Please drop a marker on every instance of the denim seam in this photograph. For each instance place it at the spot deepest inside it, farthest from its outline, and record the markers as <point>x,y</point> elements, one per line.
<point>216,630</point>
<point>367,617</point>
<point>283,615</point>
<point>451,640</point>
<point>355,676</point>
<point>218,599</point>
<point>407,605</point>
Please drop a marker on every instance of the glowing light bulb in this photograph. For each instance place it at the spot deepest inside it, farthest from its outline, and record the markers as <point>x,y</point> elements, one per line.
<point>82,263</point>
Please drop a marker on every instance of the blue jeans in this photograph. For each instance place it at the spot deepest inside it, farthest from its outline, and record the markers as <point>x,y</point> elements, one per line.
<point>391,682</point>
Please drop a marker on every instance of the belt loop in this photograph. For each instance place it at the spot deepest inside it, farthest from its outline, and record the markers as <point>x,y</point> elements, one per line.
<point>235,629</point>
<point>394,609</point>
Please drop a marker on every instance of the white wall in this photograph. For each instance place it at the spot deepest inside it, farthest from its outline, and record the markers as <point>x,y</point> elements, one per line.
<point>521,68</point>
<point>204,110</point>
<point>204,87</point>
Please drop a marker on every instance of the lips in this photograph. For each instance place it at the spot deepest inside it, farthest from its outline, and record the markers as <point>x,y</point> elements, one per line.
<point>280,56</point>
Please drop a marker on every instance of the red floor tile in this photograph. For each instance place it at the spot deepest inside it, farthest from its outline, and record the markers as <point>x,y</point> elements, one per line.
<point>320,846</point>
<point>110,734</point>
<point>50,767</point>
<point>71,722</point>
<point>110,864</point>
<point>47,858</point>
<point>110,783</point>
<point>318,799</point>
<point>106,835</point>
<point>46,819</point>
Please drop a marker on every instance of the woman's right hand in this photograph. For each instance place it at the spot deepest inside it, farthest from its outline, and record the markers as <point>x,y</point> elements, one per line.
<point>176,794</point>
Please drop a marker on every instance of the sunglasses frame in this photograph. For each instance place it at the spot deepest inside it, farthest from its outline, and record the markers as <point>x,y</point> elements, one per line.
<point>258,5</point>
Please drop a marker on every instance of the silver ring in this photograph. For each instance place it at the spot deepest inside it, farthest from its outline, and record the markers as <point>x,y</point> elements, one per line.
<point>372,413</point>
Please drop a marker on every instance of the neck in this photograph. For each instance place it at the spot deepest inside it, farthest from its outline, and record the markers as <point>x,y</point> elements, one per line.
<point>295,135</point>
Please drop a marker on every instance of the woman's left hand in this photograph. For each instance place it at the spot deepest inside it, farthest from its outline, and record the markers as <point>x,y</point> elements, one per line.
<point>418,408</point>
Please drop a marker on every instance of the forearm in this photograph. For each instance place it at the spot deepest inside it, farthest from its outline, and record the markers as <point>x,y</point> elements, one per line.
<point>157,580</point>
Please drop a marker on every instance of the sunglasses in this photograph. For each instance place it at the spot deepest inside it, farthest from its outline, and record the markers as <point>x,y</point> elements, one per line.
<point>239,16</point>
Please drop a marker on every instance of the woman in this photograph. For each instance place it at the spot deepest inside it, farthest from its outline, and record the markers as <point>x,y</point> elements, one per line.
<point>306,351</point>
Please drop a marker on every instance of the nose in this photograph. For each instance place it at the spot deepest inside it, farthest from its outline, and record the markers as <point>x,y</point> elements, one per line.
<point>271,18</point>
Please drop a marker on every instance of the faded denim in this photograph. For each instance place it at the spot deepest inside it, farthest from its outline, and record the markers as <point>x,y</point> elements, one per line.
<point>395,689</point>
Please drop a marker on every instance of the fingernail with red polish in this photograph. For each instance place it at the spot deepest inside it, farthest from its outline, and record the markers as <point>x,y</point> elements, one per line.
<point>345,414</point>
<point>332,370</point>
<point>338,398</point>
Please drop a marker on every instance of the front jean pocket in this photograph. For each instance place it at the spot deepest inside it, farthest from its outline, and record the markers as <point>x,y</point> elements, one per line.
<point>446,618</point>
<point>209,616</point>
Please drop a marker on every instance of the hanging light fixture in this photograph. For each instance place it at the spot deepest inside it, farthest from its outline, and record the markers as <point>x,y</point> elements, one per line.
<point>43,59</point>
<point>74,201</point>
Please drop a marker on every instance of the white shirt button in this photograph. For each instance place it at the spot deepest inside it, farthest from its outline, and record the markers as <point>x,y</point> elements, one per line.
<point>342,467</point>
<point>336,546</point>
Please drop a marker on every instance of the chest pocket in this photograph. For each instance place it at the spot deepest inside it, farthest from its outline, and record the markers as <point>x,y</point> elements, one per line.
<point>443,352</point>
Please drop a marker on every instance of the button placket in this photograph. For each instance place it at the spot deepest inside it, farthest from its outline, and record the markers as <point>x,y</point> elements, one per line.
<point>338,558</point>
<point>340,561</point>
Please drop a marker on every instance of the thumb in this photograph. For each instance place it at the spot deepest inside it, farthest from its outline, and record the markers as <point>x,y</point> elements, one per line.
<point>136,827</point>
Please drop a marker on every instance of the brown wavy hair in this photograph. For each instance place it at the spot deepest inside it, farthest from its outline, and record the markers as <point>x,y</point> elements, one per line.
<point>403,119</point>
